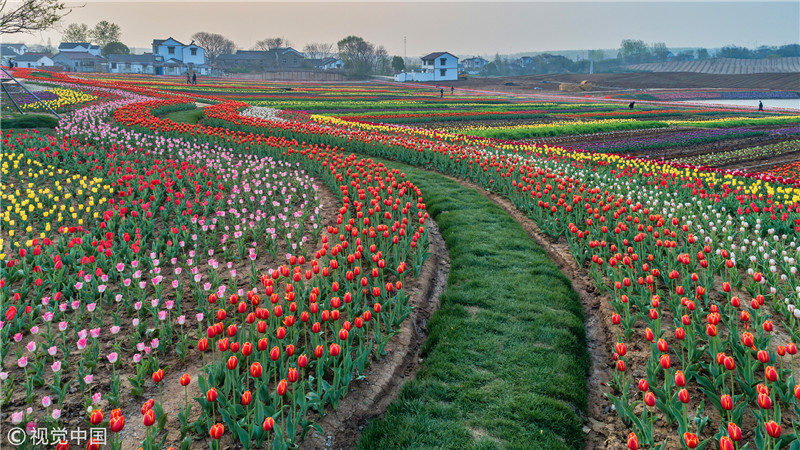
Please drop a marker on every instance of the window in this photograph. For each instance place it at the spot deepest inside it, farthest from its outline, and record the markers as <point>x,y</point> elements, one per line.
<point>171,50</point>
<point>283,61</point>
<point>113,65</point>
<point>294,61</point>
<point>194,52</point>
<point>442,61</point>
<point>442,72</point>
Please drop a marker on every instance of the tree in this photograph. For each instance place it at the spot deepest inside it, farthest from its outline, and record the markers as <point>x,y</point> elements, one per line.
<point>214,44</point>
<point>789,50</point>
<point>357,54</point>
<point>634,51</point>
<point>382,61</point>
<point>105,32</point>
<point>317,50</point>
<point>702,53</point>
<point>30,16</point>
<point>660,51</point>
<point>116,48</point>
<point>732,51</point>
<point>398,65</point>
<point>597,55</point>
<point>272,44</point>
<point>76,32</point>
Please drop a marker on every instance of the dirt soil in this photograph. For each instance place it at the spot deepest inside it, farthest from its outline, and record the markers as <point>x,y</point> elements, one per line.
<point>383,379</point>
<point>631,81</point>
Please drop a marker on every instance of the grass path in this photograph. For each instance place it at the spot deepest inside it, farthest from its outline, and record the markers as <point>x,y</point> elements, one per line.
<point>506,360</point>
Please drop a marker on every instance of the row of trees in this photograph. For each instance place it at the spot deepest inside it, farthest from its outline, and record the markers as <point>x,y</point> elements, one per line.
<point>105,34</point>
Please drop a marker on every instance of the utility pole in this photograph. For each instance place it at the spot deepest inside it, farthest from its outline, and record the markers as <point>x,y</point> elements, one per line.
<point>404,48</point>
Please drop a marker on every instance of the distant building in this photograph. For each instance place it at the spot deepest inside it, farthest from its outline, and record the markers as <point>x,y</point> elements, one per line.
<point>280,58</point>
<point>132,63</point>
<point>473,65</point>
<point>331,63</point>
<point>32,60</point>
<point>80,62</point>
<point>439,66</point>
<point>171,57</point>
<point>79,47</point>
<point>10,52</point>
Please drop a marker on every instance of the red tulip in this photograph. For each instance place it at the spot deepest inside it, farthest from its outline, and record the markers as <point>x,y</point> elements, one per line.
<point>621,365</point>
<point>683,396</point>
<point>96,417</point>
<point>211,395</point>
<point>269,424</point>
<point>665,363</point>
<point>232,363</point>
<point>643,385</point>
<point>680,378</point>
<point>763,356</point>
<point>764,401</point>
<point>216,431</point>
<point>148,405</point>
<point>633,441</point>
<point>149,418</point>
<point>770,373</point>
<point>773,429</point>
<point>727,402</point>
<point>690,439</point>
<point>158,375</point>
<point>116,423</point>
<point>247,397</point>
<point>747,339</point>
<point>649,399</point>
<point>281,388</point>
<point>734,432</point>
<point>256,370</point>
<point>725,443</point>
<point>275,353</point>
<point>185,379</point>
<point>62,445</point>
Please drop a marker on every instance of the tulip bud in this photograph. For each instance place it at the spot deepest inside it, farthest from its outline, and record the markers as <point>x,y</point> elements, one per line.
<point>211,395</point>
<point>269,424</point>
<point>683,396</point>
<point>256,370</point>
<point>690,439</point>
<point>734,432</point>
<point>158,375</point>
<point>247,397</point>
<point>680,378</point>
<point>633,441</point>
<point>96,417</point>
<point>216,431</point>
<point>764,401</point>
<point>727,402</point>
<point>649,399</point>
<point>149,418</point>
<point>185,379</point>
<point>773,429</point>
<point>665,363</point>
<point>725,443</point>
<point>643,385</point>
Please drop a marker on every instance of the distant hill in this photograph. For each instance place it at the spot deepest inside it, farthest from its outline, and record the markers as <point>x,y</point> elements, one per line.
<point>724,66</point>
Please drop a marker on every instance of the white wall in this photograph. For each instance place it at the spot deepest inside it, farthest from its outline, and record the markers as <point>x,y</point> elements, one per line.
<point>188,58</point>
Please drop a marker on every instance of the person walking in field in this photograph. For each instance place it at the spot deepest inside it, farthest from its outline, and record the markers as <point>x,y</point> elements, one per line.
<point>194,78</point>
<point>452,89</point>
<point>441,93</point>
<point>188,78</point>
<point>630,105</point>
<point>760,106</point>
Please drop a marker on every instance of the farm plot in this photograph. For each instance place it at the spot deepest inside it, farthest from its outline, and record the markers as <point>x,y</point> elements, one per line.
<point>696,269</point>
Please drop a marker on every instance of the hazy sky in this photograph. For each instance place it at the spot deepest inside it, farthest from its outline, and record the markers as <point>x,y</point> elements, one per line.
<point>463,28</point>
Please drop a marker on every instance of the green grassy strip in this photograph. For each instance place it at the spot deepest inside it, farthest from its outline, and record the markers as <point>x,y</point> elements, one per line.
<point>191,116</point>
<point>506,360</point>
<point>743,122</point>
<point>20,121</point>
<point>558,130</point>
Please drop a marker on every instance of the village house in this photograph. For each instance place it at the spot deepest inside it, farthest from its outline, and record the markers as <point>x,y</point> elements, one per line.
<point>80,62</point>
<point>32,60</point>
<point>132,63</point>
<point>475,64</point>
<point>439,66</point>
<point>9,52</point>
<point>172,57</point>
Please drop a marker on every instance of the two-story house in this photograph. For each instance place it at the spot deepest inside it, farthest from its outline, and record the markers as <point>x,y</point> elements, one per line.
<point>473,65</point>
<point>176,58</point>
<point>443,66</point>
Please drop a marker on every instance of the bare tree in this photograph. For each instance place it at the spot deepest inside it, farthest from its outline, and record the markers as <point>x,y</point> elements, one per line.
<point>31,15</point>
<point>318,50</point>
<point>272,44</point>
<point>76,32</point>
<point>105,32</point>
<point>382,61</point>
<point>214,44</point>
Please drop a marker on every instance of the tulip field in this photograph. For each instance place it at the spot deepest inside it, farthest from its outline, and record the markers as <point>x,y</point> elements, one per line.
<point>219,265</point>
